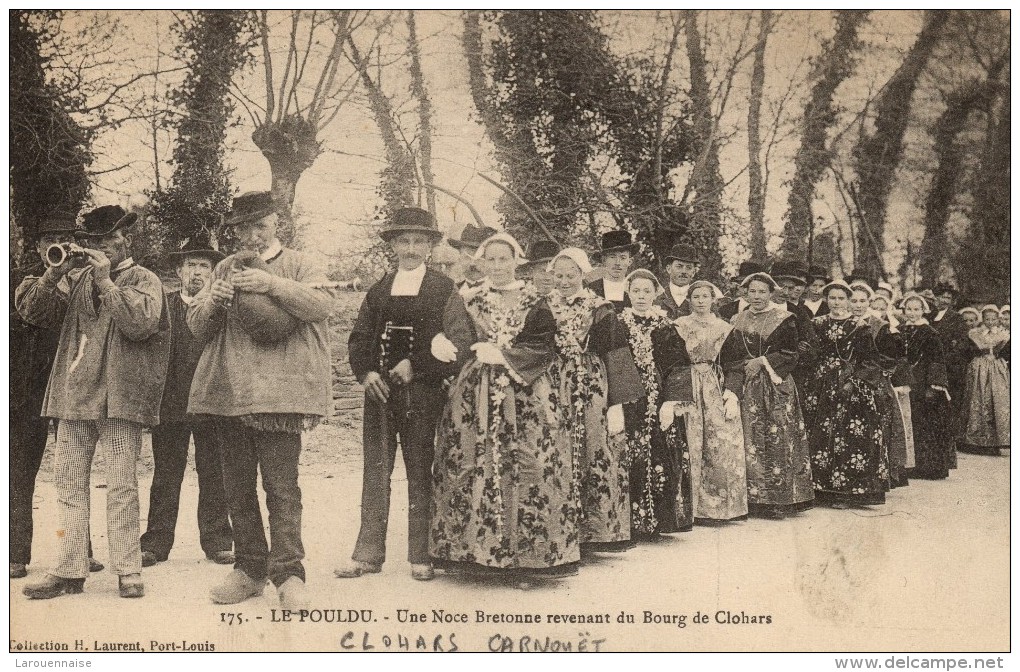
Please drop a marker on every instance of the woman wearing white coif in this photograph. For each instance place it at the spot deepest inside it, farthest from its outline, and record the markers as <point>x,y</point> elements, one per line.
<point>660,465</point>
<point>596,375</point>
<point>714,430</point>
<point>931,415</point>
<point>986,399</point>
<point>758,358</point>
<point>502,474</point>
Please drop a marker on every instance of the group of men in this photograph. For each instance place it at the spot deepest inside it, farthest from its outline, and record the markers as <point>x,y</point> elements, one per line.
<point>237,359</point>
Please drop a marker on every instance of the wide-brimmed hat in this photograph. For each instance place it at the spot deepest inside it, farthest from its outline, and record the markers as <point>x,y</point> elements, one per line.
<point>472,236</point>
<point>411,220</point>
<point>196,248</point>
<point>617,241</point>
<point>819,273</point>
<point>250,207</point>
<point>56,223</point>
<point>105,220</point>
<point>746,268</point>
<point>944,288</point>
<point>683,253</point>
<point>541,251</point>
<point>790,270</point>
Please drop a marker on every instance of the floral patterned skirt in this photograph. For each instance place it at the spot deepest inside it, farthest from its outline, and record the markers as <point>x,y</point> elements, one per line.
<point>986,404</point>
<point>847,435</point>
<point>778,463</point>
<point>603,481</point>
<point>660,473</point>
<point>502,476</point>
<point>718,461</point>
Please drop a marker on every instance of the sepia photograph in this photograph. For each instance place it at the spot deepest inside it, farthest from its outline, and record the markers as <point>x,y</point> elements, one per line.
<point>510,330</point>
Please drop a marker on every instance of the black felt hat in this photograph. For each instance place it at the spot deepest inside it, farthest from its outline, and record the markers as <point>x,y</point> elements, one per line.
<point>56,223</point>
<point>472,236</point>
<point>747,268</point>
<point>541,252</point>
<point>617,241</point>
<point>411,220</point>
<point>196,248</point>
<point>683,253</point>
<point>819,273</point>
<point>105,220</point>
<point>250,207</point>
<point>944,288</point>
<point>790,270</point>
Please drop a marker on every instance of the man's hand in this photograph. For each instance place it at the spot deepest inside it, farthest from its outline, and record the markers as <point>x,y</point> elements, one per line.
<point>376,388</point>
<point>222,292</point>
<point>253,280</point>
<point>100,264</point>
<point>402,374</point>
<point>443,349</point>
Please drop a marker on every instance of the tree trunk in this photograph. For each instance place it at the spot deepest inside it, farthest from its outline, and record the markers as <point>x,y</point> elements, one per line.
<point>706,180</point>
<point>398,178</point>
<point>756,189</point>
<point>424,112</point>
<point>291,148</point>
<point>877,155</point>
<point>983,263</point>
<point>839,56</point>
<point>944,183</point>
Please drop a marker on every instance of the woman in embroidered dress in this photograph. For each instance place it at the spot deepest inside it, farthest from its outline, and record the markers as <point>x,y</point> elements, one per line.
<point>842,408</point>
<point>596,375</point>
<point>929,396</point>
<point>986,399</point>
<point>714,430</point>
<point>660,466</point>
<point>502,473</point>
<point>758,357</point>
<point>894,381</point>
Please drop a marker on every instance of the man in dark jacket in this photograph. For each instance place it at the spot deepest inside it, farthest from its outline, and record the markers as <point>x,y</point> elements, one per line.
<point>390,354</point>
<point>616,256</point>
<point>33,349</point>
<point>172,437</point>
<point>682,264</point>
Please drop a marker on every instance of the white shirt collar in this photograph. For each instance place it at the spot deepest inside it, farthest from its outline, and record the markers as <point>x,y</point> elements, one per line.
<point>678,293</point>
<point>127,263</point>
<point>615,290</point>
<point>408,283</point>
<point>940,314</point>
<point>186,298</point>
<point>275,248</point>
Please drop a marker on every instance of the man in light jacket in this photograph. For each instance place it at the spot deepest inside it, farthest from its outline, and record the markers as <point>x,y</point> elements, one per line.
<point>105,385</point>
<point>263,377</point>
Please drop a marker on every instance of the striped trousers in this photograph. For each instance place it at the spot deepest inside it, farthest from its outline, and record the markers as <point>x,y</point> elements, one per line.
<point>120,442</point>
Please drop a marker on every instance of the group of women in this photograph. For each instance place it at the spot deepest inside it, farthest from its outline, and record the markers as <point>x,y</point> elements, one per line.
<point>573,428</point>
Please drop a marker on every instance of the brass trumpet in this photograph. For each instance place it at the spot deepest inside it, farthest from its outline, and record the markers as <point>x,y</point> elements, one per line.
<point>58,253</point>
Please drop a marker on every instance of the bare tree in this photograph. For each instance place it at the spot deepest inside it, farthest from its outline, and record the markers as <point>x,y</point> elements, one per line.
<point>421,94</point>
<point>301,99</point>
<point>878,153</point>
<point>837,62</point>
<point>756,187</point>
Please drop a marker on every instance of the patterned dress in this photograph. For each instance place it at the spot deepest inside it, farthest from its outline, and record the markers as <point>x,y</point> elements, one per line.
<point>718,462</point>
<point>986,400</point>
<point>929,406</point>
<point>778,463</point>
<point>844,410</point>
<point>593,371</point>
<point>503,496</point>
<point>660,464</point>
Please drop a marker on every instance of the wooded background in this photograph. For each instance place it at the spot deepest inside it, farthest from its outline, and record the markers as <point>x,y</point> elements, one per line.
<point>867,140</point>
